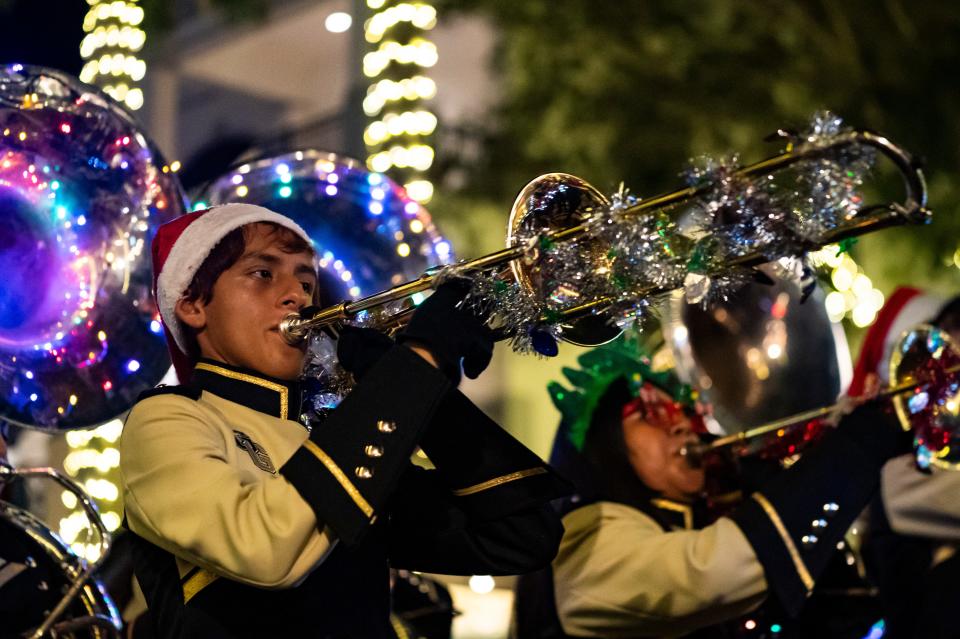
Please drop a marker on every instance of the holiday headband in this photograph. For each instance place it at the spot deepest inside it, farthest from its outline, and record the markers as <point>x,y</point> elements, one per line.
<point>626,357</point>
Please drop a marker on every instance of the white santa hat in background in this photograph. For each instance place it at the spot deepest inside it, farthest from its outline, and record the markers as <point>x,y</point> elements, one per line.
<point>179,249</point>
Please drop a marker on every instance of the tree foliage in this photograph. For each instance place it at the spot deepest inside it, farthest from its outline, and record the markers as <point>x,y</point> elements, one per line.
<point>631,90</point>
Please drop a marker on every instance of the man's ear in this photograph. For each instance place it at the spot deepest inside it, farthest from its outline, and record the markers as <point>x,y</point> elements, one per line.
<point>193,313</point>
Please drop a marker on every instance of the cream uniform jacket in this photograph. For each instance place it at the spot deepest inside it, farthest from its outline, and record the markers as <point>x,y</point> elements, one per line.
<point>248,525</point>
<point>255,528</point>
<point>619,574</point>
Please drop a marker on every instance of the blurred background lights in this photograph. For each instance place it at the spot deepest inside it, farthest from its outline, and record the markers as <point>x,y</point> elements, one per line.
<point>110,50</point>
<point>854,295</point>
<point>93,461</point>
<point>398,135</point>
<point>338,22</point>
<point>481,584</point>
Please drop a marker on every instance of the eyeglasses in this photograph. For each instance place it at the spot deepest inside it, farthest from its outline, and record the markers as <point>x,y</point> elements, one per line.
<point>660,410</point>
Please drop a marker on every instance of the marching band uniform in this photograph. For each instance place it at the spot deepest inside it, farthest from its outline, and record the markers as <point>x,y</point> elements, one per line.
<point>914,525</point>
<point>632,564</point>
<point>251,525</point>
<point>256,526</point>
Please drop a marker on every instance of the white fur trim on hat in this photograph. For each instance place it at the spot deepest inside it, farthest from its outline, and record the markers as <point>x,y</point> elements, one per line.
<point>193,246</point>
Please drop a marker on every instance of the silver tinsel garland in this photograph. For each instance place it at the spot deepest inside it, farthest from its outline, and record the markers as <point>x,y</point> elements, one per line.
<point>624,256</point>
<point>626,260</point>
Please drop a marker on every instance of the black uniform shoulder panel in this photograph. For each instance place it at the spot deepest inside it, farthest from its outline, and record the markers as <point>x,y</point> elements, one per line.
<point>186,391</point>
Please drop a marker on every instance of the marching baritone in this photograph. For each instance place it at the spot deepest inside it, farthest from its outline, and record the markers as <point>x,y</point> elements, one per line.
<point>251,525</point>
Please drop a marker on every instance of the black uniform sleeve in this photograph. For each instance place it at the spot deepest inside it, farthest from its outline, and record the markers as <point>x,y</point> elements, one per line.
<point>352,462</point>
<point>430,531</point>
<point>490,472</point>
<point>795,522</point>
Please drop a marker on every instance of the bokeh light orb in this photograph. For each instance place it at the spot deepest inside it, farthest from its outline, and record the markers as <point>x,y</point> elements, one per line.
<point>369,235</point>
<point>82,191</point>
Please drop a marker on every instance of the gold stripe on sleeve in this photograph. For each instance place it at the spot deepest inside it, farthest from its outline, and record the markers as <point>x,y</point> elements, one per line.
<point>340,477</point>
<point>791,548</point>
<point>200,580</point>
<point>497,481</point>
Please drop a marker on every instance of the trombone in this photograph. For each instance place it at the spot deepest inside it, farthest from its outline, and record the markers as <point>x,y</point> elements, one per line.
<point>925,382</point>
<point>567,221</point>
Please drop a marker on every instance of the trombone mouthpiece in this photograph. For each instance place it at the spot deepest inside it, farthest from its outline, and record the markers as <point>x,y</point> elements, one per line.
<point>290,329</point>
<point>692,453</point>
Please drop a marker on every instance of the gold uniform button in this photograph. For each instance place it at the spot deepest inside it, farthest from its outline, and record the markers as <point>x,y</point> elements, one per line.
<point>386,426</point>
<point>373,451</point>
<point>363,472</point>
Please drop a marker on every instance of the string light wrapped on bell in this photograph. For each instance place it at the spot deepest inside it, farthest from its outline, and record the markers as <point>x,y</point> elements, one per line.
<point>82,190</point>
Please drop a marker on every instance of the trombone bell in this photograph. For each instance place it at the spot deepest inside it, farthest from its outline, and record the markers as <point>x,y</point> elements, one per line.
<point>927,361</point>
<point>549,204</point>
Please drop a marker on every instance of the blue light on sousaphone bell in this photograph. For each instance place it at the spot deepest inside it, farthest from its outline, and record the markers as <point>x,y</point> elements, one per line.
<point>369,235</point>
<point>82,191</point>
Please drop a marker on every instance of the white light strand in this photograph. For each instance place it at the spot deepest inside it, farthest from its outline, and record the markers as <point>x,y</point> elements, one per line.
<point>113,38</point>
<point>93,461</point>
<point>854,295</point>
<point>397,136</point>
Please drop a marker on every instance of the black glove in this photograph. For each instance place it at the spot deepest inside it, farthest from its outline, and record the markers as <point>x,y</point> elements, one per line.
<point>358,349</point>
<point>796,520</point>
<point>875,429</point>
<point>451,334</point>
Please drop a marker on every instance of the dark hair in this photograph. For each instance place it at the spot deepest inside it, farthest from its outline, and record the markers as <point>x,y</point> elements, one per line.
<point>602,470</point>
<point>226,253</point>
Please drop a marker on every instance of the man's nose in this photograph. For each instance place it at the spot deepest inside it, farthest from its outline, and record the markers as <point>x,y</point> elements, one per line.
<point>294,296</point>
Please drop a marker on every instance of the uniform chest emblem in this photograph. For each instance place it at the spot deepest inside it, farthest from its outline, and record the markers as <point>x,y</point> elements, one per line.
<point>259,456</point>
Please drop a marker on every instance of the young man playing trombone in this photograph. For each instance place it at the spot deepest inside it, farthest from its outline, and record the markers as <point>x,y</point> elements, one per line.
<point>252,526</point>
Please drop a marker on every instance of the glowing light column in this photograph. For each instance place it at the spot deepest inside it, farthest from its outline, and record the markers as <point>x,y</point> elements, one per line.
<point>113,39</point>
<point>401,125</point>
<point>93,461</point>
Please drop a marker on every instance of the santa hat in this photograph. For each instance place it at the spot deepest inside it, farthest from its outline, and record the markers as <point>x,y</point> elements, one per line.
<point>906,308</point>
<point>179,249</point>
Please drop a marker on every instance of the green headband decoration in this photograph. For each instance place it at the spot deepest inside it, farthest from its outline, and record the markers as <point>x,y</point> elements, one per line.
<point>628,357</point>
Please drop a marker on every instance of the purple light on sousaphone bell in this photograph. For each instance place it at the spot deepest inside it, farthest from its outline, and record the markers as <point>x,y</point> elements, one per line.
<point>369,235</point>
<point>81,192</point>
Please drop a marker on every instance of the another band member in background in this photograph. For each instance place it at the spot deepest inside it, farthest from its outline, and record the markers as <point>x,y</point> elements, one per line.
<point>914,527</point>
<point>637,559</point>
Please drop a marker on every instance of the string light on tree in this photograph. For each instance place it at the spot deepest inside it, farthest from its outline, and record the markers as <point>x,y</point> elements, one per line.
<point>854,295</point>
<point>110,47</point>
<point>400,126</point>
<point>93,461</point>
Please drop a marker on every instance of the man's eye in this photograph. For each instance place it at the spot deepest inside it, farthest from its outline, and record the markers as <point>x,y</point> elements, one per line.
<point>307,287</point>
<point>263,273</point>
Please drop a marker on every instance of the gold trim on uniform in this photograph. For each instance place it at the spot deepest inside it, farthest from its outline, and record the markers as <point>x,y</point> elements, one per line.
<point>341,477</point>
<point>398,628</point>
<point>251,379</point>
<point>497,481</point>
<point>791,548</point>
<point>676,507</point>
<point>200,580</point>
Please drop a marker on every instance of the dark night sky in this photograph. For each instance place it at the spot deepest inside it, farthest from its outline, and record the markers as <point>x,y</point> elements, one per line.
<point>42,32</point>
